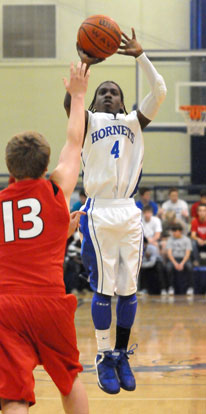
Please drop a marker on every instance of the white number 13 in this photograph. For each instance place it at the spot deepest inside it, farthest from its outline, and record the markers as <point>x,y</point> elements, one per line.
<point>32,217</point>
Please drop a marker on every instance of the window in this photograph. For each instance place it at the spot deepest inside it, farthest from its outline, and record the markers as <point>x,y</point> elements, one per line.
<point>29,31</point>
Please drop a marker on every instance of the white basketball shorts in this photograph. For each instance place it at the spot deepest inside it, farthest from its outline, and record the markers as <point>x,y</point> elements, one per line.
<point>112,245</point>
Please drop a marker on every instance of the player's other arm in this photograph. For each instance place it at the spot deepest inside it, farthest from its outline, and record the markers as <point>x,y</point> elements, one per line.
<point>151,103</point>
<point>67,171</point>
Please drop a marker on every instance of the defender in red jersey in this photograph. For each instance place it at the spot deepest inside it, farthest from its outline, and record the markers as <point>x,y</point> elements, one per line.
<point>36,316</point>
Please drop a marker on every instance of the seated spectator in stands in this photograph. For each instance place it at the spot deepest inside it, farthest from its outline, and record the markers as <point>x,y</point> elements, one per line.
<point>151,264</point>
<point>145,200</point>
<point>180,207</point>
<point>198,235</point>
<point>168,221</point>
<point>80,202</point>
<point>179,249</point>
<point>201,201</point>
<point>152,225</point>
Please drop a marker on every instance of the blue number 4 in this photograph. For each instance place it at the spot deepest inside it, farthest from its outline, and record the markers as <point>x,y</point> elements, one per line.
<point>115,149</point>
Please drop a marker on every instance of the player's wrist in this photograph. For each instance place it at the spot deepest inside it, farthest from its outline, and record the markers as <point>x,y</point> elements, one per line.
<point>141,56</point>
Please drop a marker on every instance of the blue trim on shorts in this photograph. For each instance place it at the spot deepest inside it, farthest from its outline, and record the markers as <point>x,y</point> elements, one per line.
<point>88,253</point>
<point>141,250</point>
<point>98,247</point>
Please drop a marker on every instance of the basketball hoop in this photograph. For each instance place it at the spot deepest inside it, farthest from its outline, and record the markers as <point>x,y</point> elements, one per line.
<point>195,118</point>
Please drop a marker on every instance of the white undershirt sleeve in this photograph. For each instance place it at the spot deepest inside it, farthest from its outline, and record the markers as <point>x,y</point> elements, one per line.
<point>151,103</point>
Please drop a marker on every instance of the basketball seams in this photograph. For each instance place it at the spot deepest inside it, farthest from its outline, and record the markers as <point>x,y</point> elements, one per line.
<point>93,43</point>
<point>100,28</point>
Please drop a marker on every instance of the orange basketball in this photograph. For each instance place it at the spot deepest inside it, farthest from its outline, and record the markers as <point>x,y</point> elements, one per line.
<point>99,36</point>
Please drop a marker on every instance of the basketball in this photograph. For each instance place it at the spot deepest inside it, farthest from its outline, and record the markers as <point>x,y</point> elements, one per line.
<point>99,36</point>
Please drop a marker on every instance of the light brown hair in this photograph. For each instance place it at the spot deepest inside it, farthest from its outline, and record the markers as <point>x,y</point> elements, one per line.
<point>27,155</point>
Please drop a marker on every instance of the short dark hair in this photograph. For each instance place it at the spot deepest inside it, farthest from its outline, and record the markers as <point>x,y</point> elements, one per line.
<point>173,189</point>
<point>143,190</point>
<point>147,208</point>
<point>176,226</point>
<point>82,192</point>
<point>201,205</point>
<point>203,192</point>
<point>27,155</point>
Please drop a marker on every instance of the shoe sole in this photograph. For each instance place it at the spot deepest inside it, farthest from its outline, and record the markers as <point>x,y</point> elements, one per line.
<point>127,389</point>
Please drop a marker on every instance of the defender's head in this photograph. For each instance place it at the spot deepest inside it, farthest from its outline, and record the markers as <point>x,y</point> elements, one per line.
<point>27,155</point>
<point>108,98</point>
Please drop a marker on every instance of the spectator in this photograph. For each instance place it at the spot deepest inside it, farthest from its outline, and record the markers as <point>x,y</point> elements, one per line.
<point>180,207</point>
<point>80,202</point>
<point>151,264</point>
<point>179,249</point>
<point>201,201</point>
<point>170,219</point>
<point>152,225</point>
<point>75,276</point>
<point>198,234</point>
<point>145,195</point>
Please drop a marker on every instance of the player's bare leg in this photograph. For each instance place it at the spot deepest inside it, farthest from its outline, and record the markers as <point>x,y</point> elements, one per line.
<point>14,407</point>
<point>76,402</point>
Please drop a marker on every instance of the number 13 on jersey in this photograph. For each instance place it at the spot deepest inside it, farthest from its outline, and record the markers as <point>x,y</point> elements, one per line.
<point>115,149</point>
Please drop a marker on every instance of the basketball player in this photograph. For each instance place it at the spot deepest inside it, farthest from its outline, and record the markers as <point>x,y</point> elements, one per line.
<point>36,316</point>
<point>112,244</point>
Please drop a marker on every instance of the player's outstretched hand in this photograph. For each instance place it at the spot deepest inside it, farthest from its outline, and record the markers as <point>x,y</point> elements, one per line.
<point>85,58</point>
<point>78,82</point>
<point>74,221</point>
<point>130,46</point>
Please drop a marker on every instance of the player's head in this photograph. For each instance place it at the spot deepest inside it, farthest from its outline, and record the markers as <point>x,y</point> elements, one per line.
<point>27,155</point>
<point>108,98</point>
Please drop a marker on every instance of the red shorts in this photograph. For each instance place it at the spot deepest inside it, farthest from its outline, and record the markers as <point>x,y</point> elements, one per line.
<point>37,331</point>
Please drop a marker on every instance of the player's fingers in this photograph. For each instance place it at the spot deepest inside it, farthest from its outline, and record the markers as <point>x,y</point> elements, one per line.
<point>124,41</point>
<point>87,74</point>
<point>126,52</point>
<point>122,47</point>
<point>82,213</point>
<point>133,33</point>
<point>126,37</point>
<point>83,69</point>
<point>72,69</point>
<point>79,68</point>
<point>66,83</point>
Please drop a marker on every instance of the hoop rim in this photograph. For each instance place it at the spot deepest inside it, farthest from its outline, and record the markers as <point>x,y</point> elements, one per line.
<point>194,111</point>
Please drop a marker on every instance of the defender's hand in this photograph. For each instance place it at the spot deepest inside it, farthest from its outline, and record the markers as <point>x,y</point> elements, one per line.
<point>130,47</point>
<point>78,82</point>
<point>74,221</point>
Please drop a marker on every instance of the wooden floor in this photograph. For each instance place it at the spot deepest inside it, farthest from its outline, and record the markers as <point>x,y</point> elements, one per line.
<point>169,366</point>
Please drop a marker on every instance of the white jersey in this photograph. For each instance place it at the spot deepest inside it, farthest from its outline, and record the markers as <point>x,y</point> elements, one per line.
<point>112,155</point>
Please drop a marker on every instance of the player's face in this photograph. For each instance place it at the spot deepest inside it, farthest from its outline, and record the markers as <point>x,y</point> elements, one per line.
<point>108,98</point>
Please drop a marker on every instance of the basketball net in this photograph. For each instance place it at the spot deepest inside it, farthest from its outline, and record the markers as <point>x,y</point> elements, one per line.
<point>195,118</point>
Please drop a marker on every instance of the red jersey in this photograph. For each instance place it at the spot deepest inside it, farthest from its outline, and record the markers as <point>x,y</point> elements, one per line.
<point>194,209</point>
<point>34,221</point>
<point>199,227</point>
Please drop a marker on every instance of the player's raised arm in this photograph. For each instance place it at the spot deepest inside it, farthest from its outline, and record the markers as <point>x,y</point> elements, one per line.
<point>88,60</point>
<point>151,103</point>
<point>67,171</point>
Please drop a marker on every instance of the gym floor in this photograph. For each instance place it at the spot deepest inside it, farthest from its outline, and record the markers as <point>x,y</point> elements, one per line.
<point>169,365</point>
